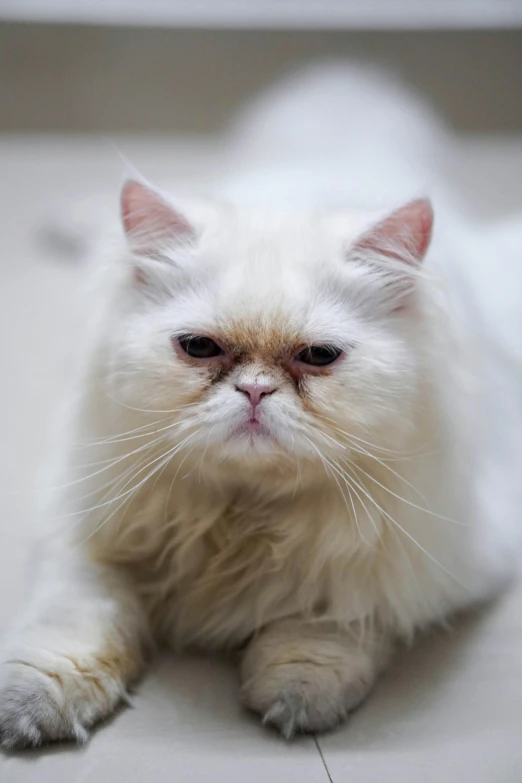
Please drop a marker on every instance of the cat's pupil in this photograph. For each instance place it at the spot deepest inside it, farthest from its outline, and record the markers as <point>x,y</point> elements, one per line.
<point>319,355</point>
<point>199,347</point>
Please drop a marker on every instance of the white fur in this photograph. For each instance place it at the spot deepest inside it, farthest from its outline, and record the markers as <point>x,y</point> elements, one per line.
<point>357,522</point>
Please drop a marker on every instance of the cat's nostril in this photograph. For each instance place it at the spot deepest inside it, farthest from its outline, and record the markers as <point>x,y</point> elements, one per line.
<point>255,391</point>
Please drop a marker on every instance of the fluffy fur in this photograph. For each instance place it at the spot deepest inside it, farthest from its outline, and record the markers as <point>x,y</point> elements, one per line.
<point>347,520</point>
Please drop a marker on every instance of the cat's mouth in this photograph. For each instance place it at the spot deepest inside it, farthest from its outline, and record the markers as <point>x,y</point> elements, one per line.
<point>252,427</point>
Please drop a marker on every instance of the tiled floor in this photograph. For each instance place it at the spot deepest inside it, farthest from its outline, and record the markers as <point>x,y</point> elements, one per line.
<point>449,710</point>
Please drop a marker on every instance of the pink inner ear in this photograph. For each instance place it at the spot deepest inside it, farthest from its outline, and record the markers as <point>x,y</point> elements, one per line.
<point>405,234</point>
<point>148,219</point>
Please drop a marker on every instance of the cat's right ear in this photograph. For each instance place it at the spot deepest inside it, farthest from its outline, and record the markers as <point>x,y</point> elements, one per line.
<point>151,225</point>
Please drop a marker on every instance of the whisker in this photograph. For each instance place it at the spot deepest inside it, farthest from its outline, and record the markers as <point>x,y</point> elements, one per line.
<point>109,442</point>
<point>322,434</point>
<point>393,472</point>
<point>326,462</point>
<point>400,454</point>
<point>150,410</point>
<point>205,449</point>
<point>178,469</point>
<point>409,502</point>
<point>361,501</point>
<point>167,457</point>
<point>353,481</point>
<point>411,538</point>
<point>114,480</point>
<point>110,438</point>
<point>101,505</point>
<point>112,462</point>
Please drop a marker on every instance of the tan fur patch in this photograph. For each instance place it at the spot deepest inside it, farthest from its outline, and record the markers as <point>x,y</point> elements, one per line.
<point>263,341</point>
<point>54,676</point>
<point>119,664</point>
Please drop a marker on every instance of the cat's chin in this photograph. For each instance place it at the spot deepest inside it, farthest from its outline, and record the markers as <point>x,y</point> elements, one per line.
<point>252,431</point>
<point>251,440</point>
<point>251,444</point>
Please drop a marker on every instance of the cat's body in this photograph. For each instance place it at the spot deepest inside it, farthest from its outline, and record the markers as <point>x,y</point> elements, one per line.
<point>233,545</point>
<point>307,494</point>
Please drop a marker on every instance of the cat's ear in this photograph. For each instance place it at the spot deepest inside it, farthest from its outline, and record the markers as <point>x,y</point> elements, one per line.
<point>404,235</point>
<point>149,222</point>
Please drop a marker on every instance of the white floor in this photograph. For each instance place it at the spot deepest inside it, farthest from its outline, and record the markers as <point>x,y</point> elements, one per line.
<point>448,711</point>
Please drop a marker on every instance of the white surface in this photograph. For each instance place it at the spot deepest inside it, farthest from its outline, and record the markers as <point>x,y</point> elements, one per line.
<point>450,710</point>
<point>347,14</point>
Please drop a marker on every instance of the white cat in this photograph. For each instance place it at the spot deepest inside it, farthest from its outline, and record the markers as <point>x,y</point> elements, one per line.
<point>275,447</point>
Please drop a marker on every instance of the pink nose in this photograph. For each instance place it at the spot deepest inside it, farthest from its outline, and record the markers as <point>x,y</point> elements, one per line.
<point>255,391</point>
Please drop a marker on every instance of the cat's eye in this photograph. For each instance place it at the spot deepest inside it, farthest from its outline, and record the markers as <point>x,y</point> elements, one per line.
<point>199,347</point>
<point>318,355</point>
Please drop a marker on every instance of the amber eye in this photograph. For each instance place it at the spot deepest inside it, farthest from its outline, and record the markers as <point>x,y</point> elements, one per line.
<point>199,347</point>
<point>318,355</point>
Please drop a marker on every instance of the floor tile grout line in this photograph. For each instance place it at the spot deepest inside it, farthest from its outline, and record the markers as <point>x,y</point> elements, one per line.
<point>319,750</point>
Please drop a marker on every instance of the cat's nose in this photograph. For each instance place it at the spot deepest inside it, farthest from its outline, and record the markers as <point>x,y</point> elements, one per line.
<point>255,391</point>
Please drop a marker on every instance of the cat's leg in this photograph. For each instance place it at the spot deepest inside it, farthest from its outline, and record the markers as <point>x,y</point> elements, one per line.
<point>77,647</point>
<point>306,677</point>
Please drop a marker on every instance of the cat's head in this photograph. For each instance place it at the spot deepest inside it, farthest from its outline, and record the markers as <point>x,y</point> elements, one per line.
<point>271,338</point>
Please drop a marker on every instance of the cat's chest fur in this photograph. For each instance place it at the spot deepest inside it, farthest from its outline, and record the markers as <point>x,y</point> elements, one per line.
<point>212,567</point>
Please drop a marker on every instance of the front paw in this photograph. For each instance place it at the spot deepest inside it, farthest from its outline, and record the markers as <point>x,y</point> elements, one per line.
<point>304,685</point>
<point>32,708</point>
<point>302,697</point>
<point>51,700</point>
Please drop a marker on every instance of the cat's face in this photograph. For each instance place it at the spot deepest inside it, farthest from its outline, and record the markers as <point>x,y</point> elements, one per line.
<point>261,338</point>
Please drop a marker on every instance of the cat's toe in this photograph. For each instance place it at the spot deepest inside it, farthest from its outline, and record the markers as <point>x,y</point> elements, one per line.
<point>295,713</point>
<point>32,710</point>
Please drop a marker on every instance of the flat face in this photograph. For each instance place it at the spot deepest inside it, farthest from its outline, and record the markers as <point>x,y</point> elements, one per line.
<point>262,338</point>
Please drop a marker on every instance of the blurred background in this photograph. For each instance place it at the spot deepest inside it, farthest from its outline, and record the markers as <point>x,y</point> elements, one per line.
<point>185,65</point>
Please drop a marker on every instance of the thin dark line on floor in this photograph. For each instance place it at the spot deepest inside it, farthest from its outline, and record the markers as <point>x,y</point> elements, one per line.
<point>322,758</point>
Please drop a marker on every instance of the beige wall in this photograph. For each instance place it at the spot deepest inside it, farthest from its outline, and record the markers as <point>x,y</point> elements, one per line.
<point>95,79</point>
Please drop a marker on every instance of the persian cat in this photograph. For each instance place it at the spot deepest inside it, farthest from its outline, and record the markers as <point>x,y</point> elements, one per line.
<point>275,443</point>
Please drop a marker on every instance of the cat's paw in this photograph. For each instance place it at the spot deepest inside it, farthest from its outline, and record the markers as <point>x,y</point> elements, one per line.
<point>55,699</point>
<point>301,697</point>
<point>305,690</point>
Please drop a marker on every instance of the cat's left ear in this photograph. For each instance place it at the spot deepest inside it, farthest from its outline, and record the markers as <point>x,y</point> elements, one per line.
<point>149,222</point>
<point>404,235</point>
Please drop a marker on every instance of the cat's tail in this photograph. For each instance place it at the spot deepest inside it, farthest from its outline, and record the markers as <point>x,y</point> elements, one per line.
<point>338,109</point>
<point>336,133</point>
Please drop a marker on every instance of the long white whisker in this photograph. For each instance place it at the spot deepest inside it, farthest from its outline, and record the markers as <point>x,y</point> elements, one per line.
<point>362,451</point>
<point>149,410</point>
<point>178,469</point>
<point>110,438</point>
<point>397,454</point>
<point>361,501</point>
<point>408,535</point>
<point>101,505</point>
<point>170,426</point>
<point>408,502</point>
<point>326,462</point>
<point>113,481</point>
<point>167,457</point>
<point>121,437</point>
<point>111,461</point>
<point>205,449</point>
